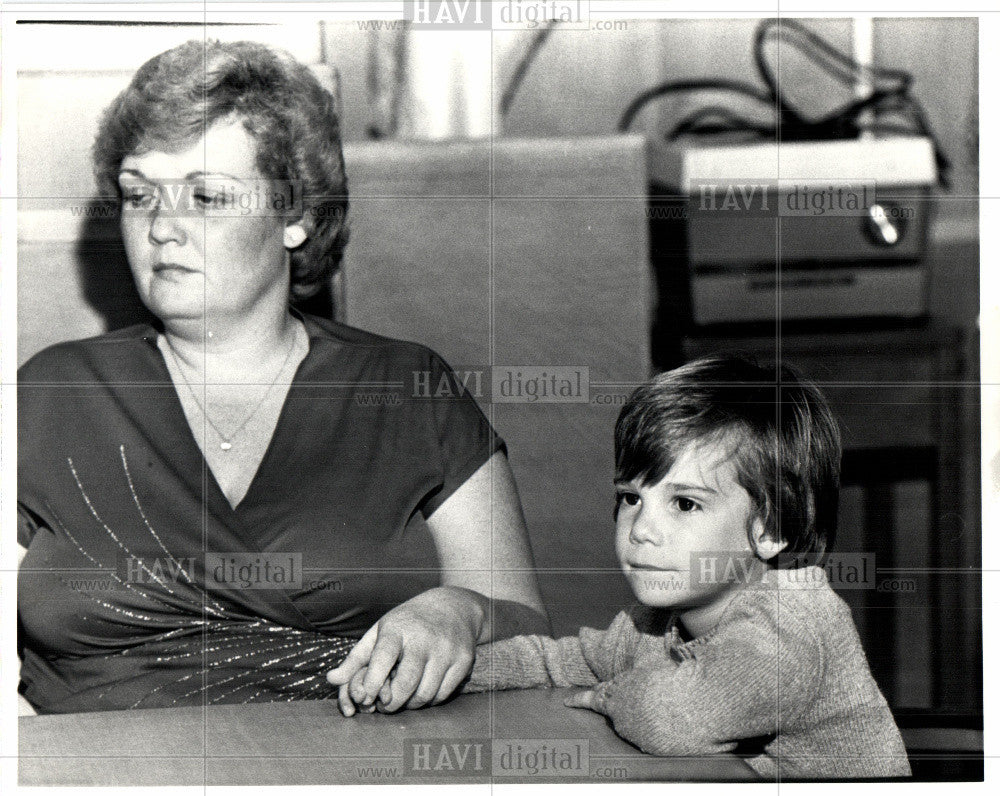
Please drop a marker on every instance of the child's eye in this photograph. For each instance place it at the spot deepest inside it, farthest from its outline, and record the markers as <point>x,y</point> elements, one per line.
<point>628,498</point>
<point>686,505</point>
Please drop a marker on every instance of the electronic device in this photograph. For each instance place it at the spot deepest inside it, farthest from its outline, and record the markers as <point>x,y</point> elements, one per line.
<point>798,230</point>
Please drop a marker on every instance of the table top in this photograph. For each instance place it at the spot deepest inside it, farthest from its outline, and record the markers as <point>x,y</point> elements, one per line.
<point>513,736</point>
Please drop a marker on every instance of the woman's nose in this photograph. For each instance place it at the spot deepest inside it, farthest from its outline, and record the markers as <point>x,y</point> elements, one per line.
<point>165,225</point>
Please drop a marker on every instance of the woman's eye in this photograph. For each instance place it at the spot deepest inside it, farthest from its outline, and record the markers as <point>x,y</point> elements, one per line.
<point>686,504</point>
<point>208,200</point>
<point>139,199</point>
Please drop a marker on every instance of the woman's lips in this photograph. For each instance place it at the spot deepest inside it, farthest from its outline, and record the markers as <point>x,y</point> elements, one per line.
<point>172,270</point>
<point>650,568</point>
<point>172,267</point>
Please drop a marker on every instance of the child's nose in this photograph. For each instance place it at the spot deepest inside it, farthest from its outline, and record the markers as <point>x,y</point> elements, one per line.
<point>644,529</point>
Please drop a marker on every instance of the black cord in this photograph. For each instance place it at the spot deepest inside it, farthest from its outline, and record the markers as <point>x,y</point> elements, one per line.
<point>507,98</point>
<point>846,69</point>
<point>890,94</point>
<point>725,122</point>
<point>737,86</point>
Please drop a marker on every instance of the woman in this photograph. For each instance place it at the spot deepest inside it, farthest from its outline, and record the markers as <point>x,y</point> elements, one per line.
<point>216,510</point>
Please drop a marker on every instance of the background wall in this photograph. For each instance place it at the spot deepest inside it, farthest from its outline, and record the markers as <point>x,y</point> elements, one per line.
<point>582,80</point>
<point>579,84</point>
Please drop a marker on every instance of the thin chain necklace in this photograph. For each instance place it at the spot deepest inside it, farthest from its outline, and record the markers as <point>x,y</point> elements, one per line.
<point>226,443</point>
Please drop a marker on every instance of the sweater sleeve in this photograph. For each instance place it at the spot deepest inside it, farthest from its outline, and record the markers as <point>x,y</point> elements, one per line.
<point>747,680</point>
<point>543,662</point>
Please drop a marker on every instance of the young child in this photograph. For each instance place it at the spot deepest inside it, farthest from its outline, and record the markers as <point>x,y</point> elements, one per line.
<point>727,478</point>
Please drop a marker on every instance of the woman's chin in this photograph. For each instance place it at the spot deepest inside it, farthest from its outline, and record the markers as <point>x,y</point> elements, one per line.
<point>176,304</point>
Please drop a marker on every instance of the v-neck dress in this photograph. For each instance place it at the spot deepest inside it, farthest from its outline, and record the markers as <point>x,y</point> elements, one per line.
<point>143,587</point>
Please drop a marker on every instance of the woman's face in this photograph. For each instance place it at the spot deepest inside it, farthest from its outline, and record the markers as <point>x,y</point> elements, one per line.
<point>203,228</point>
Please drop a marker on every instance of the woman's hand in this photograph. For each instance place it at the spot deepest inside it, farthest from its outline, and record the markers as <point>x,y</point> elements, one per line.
<point>353,698</point>
<point>417,654</point>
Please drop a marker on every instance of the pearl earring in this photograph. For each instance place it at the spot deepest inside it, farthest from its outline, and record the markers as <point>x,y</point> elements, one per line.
<point>294,236</point>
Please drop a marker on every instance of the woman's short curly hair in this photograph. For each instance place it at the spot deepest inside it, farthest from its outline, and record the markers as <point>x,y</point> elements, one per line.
<point>177,95</point>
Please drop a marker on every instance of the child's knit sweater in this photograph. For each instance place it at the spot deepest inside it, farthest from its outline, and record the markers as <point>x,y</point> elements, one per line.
<point>782,678</point>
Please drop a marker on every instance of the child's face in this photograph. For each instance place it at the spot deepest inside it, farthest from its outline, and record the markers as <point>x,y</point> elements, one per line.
<point>697,509</point>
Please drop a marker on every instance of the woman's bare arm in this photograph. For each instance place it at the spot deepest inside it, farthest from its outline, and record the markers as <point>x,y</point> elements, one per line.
<point>489,591</point>
<point>483,546</point>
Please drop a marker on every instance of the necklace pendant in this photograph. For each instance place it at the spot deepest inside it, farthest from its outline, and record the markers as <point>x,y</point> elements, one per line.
<point>225,445</point>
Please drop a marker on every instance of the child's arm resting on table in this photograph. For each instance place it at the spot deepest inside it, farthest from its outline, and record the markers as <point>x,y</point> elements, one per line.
<point>543,662</point>
<point>747,681</point>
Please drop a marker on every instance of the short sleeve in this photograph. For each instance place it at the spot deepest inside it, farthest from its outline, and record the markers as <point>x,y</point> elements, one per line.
<point>26,526</point>
<point>465,438</point>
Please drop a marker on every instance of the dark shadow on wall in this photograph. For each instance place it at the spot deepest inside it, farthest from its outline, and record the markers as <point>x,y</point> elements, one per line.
<point>104,273</point>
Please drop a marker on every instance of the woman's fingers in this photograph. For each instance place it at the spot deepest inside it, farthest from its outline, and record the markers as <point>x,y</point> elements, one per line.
<point>385,695</point>
<point>344,700</point>
<point>409,673</point>
<point>344,675</point>
<point>434,673</point>
<point>452,679</point>
<point>356,687</point>
<point>351,694</point>
<point>356,658</point>
<point>383,658</point>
